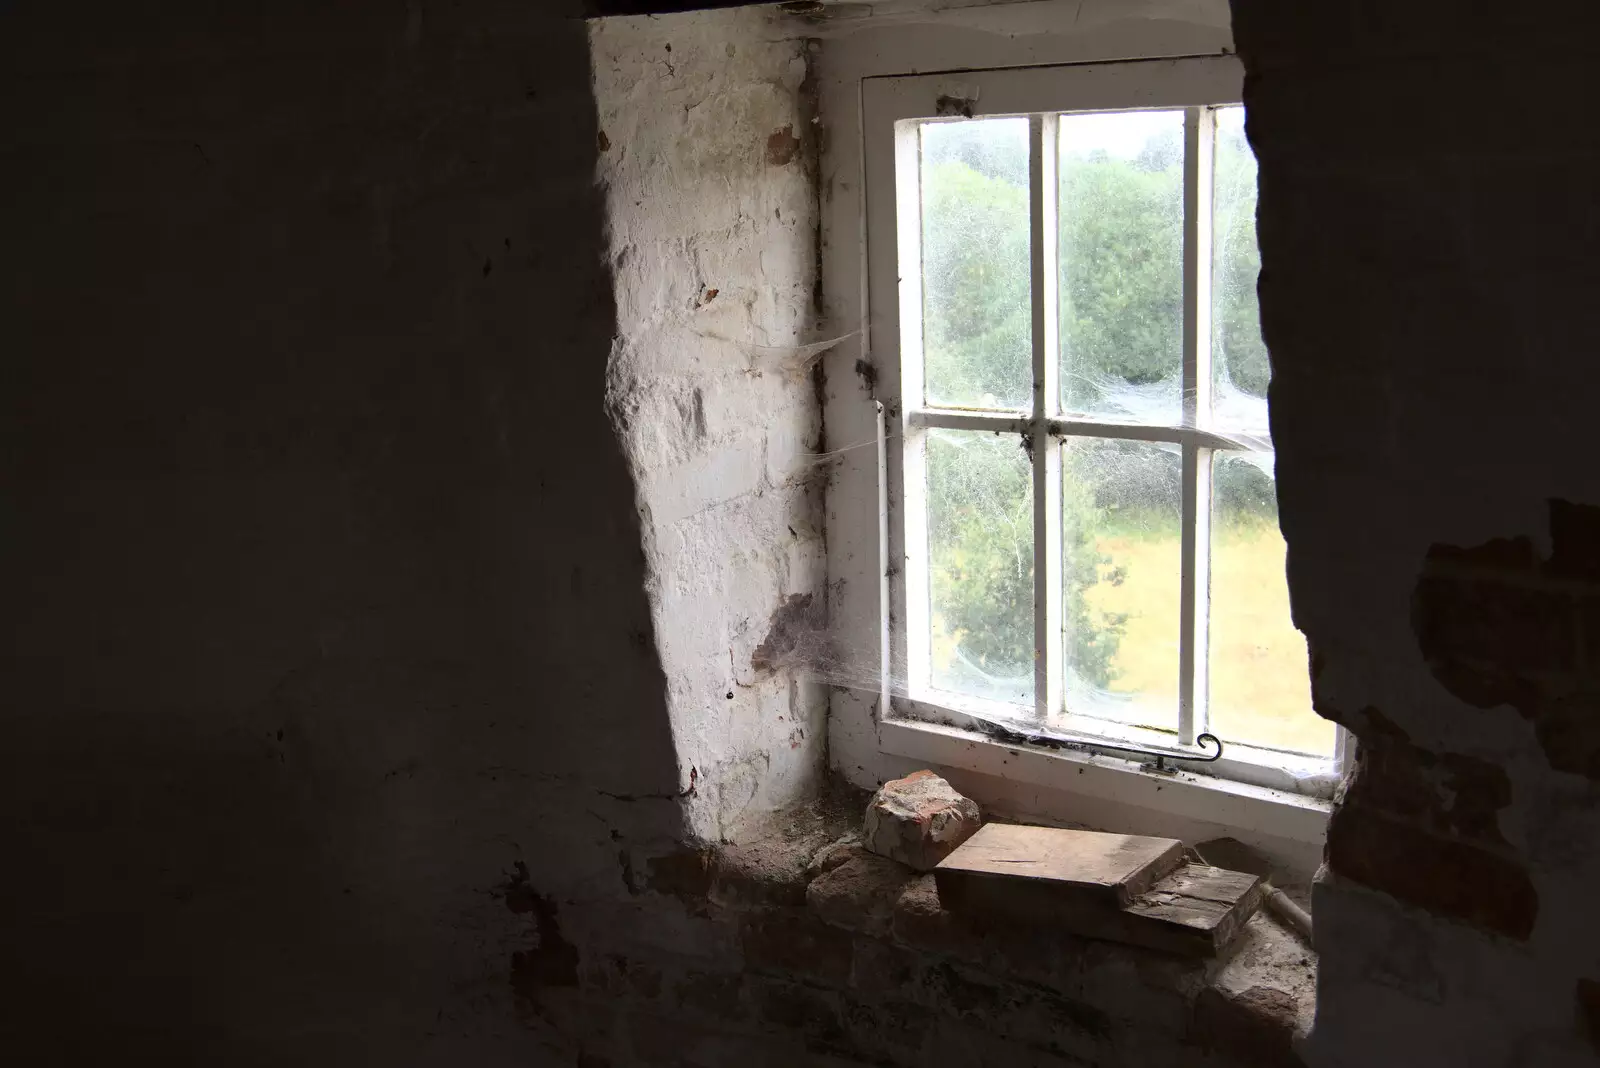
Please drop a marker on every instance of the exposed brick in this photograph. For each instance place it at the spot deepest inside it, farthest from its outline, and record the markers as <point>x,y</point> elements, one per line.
<point>860,894</point>
<point>1531,641</point>
<point>1256,1026</point>
<point>797,944</point>
<point>1446,877</point>
<point>1494,638</point>
<point>1450,794</point>
<point>919,820</point>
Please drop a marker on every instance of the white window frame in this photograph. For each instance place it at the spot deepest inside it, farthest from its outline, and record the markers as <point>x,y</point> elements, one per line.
<point>881,730</point>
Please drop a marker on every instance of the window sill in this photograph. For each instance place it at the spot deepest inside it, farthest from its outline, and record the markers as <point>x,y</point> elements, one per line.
<point>1276,813</point>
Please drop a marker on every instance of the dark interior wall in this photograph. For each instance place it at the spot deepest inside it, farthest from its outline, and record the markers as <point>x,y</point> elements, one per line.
<point>1429,224</point>
<point>329,672</point>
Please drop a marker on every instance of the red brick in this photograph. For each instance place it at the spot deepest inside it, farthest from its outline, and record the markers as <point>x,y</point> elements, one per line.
<point>1493,638</point>
<point>1450,794</point>
<point>1446,877</point>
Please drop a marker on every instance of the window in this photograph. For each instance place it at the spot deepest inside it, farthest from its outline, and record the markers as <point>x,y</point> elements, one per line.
<point>1081,513</point>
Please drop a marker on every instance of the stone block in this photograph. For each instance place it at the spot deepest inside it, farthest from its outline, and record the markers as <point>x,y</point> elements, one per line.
<point>919,820</point>
<point>860,894</point>
<point>1020,950</point>
<point>767,872</point>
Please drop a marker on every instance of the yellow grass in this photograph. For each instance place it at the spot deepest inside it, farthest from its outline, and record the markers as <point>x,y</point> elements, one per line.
<point>1260,686</point>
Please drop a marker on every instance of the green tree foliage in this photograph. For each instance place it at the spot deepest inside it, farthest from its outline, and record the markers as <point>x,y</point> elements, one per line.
<point>978,319</point>
<point>1121,270</point>
<point>980,534</point>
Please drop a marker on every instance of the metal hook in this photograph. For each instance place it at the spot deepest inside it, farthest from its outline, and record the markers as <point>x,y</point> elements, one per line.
<point>1053,741</point>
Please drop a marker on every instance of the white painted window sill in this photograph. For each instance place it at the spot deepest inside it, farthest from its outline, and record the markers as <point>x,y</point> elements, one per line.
<point>1278,813</point>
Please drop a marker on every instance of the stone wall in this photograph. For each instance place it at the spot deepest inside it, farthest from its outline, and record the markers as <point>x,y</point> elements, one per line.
<point>1427,223</point>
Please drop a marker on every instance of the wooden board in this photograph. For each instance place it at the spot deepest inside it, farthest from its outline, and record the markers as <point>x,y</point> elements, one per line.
<point>1111,868</point>
<point>1098,891</point>
<point>1196,910</point>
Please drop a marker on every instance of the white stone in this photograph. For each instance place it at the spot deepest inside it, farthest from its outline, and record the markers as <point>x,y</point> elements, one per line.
<point>919,820</point>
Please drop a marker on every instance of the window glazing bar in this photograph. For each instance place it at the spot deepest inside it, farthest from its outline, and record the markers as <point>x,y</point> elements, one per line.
<point>1043,189</point>
<point>1199,136</point>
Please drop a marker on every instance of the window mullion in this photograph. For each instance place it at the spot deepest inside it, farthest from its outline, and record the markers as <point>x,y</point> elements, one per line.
<point>1196,549</point>
<point>1043,188</point>
<point>1198,143</point>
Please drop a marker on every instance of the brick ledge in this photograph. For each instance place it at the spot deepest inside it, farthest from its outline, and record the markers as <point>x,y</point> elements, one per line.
<point>811,902</point>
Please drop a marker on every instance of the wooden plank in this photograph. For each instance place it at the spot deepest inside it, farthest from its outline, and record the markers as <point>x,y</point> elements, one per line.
<point>1106,868</point>
<point>1120,888</point>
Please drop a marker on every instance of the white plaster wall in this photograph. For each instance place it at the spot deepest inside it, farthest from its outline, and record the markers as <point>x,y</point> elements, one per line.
<point>712,211</point>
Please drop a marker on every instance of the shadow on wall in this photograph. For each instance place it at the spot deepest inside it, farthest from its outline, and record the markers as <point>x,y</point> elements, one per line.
<point>322,571</point>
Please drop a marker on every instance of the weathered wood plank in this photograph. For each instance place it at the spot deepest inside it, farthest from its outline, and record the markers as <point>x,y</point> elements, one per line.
<point>1080,884</point>
<point>1114,867</point>
<point>1197,909</point>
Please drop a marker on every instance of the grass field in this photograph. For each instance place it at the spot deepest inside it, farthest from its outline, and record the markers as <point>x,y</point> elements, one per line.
<point>1260,687</point>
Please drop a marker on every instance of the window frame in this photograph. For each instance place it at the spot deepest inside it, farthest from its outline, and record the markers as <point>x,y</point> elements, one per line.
<point>892,107</point>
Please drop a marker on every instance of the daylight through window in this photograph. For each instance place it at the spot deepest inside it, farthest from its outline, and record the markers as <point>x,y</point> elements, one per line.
<point>1090,517</point>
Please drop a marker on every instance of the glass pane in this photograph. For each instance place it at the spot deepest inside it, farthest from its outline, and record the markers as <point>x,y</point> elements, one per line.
<point>1260,689</point>
<point>980,541</point>
<point>976,296</point>
<point>1120,540</point>
<point>1121,216</point>
<point>1239,367</point>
